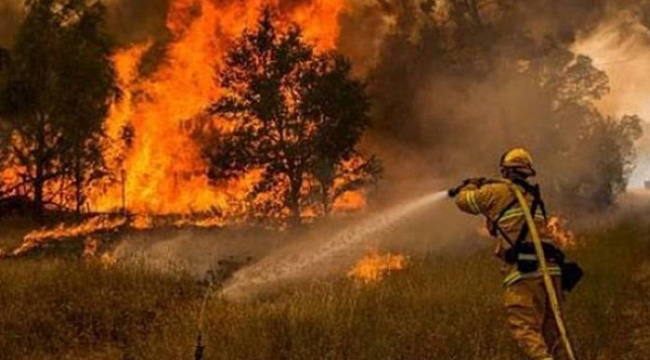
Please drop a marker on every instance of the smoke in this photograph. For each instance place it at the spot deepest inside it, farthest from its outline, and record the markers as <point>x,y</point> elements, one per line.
<point>456,83</point>
<point>10,17</point>
<point>620,46</point>
<point>363,27</point>
<point>196,251</point>
<point>129,21</point>
<point>136,21</point>
<point>562,19</point>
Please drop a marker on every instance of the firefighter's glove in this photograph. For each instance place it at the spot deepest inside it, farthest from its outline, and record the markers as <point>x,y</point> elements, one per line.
<point>477,182</point>
<point>471,182</point>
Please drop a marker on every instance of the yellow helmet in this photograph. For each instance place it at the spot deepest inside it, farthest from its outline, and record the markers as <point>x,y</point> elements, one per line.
<point>518,159</point>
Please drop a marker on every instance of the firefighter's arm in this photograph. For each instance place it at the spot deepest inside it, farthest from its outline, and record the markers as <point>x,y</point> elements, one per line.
<point>474,200</point>
<point>466,200</point>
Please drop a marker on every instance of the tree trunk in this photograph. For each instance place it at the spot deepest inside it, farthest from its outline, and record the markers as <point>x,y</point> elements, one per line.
<point>78,184</point>
<point>39,178</point>
<point>38,192</point>
<point>293,201</point>
<point>326,199</point>
<point>123,185</point>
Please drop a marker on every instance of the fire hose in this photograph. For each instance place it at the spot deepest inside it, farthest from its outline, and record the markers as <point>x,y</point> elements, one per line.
<point>539,251</point>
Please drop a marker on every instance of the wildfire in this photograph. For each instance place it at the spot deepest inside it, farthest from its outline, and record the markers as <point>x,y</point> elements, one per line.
<point>91,246</point>
<point>210,222</point>
<point>156,169</point>
<point>142,222</point>
<point>92,226</point>
<point>92,250</point>
<point>102,224</point>
<point>374,267</point>
<point>562,236</point>
<point>155,165</point>
<point>162,171</point>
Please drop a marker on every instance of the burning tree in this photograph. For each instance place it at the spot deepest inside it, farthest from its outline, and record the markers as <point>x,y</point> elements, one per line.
<point>293,114</point>
<point>4,79</point>
<point>59,89</point>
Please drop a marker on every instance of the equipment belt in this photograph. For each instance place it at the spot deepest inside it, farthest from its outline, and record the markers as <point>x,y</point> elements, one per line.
<point>516,213</point>
<point>527,257</point>
<point>516,275</point>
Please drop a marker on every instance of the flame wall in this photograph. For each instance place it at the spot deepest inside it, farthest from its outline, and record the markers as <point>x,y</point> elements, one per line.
<point>162,171</point>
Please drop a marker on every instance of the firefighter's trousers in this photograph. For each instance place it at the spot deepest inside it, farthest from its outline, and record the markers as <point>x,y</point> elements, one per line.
<point>531,320</point>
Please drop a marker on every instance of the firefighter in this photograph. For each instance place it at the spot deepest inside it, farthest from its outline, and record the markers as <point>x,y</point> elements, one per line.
<point>530,317</point>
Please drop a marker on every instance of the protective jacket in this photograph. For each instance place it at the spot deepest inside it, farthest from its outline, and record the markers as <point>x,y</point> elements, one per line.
<point>505,220</point>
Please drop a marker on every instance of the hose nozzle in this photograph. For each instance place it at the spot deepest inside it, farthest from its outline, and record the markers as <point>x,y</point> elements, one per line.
<point>453,192</point>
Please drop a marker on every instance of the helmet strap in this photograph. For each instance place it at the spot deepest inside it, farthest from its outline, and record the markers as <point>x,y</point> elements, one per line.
<point>514,174</point>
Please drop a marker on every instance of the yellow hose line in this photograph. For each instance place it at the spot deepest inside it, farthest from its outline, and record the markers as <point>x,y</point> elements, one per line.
<point>548,282</point>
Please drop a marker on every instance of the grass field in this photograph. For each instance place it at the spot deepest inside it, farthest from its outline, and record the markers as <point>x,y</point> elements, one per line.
<point>438,308</point>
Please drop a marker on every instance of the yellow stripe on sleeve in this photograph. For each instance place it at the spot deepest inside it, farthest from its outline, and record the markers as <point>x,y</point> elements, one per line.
<point>471,200</point>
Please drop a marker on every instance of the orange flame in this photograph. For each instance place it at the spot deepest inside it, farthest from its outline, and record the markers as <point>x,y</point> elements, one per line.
<point>374,267</point>
<point>91,252</point>
<point>142,222</point>
<point>162,171</point>
<point>93,225</point>
<point>565,238</point>
<point>91,247</point>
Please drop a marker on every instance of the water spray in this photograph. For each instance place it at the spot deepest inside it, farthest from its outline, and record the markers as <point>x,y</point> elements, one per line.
<point>273,270</point>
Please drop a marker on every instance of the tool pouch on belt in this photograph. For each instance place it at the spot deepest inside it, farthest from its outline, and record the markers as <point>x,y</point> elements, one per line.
<point>571,274</point>
<point>525,258</point>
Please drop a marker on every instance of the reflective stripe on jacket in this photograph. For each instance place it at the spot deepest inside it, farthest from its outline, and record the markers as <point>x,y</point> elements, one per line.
<point>515,275</point>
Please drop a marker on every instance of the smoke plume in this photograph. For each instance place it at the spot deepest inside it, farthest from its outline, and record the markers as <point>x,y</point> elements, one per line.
<point>457,83</point>
<point>135,21</point>
<point>620,46</point>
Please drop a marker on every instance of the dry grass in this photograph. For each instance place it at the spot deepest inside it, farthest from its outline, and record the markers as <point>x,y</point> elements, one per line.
<point>14,228</point>
<point>439,308</point>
